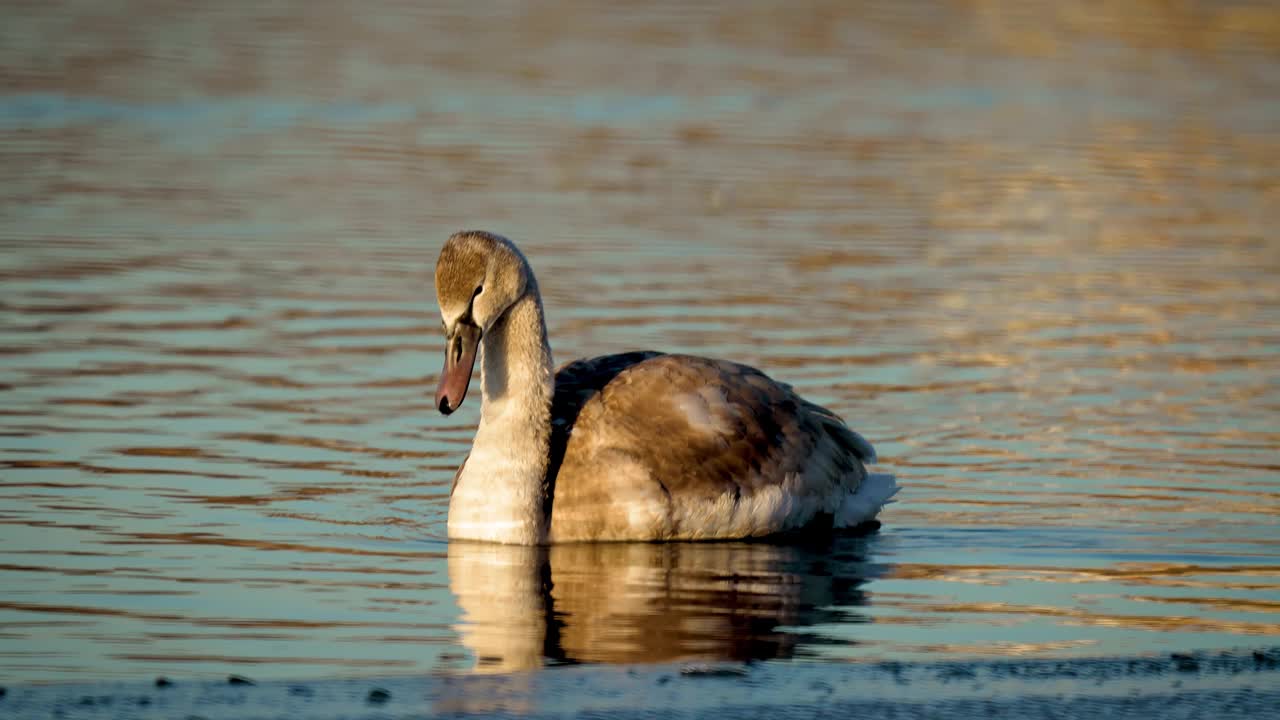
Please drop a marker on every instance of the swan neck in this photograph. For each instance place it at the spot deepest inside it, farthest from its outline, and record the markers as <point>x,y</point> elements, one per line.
<point>500,494</point>
<point>515,370</point>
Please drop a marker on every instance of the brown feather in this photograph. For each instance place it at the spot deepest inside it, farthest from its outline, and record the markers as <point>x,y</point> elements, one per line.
<point>660,432</point>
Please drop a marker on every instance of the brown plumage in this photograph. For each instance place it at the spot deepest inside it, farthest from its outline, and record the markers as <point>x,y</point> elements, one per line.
<point>742,434</point>
<point>637,446</point>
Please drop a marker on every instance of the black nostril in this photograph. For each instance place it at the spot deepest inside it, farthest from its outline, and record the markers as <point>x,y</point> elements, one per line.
<point>444,406</point>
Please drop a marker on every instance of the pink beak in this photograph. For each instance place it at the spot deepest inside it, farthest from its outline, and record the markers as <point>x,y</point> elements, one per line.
<point>459,360</point>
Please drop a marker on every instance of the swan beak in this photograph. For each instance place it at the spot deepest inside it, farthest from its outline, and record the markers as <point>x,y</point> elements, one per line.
<point>459,359</point>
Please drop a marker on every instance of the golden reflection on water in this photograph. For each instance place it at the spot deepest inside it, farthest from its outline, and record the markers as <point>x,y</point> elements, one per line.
<point>1028,249</point>
<point>649,602</point>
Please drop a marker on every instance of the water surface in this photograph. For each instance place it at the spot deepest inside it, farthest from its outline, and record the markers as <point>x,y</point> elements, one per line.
<point>1030,252</point>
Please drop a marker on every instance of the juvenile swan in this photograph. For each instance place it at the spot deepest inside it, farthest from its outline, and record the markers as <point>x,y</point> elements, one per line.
<point>637,446</point>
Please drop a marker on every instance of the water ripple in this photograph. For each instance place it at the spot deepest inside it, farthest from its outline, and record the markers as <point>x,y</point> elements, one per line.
<point>1031,255</point>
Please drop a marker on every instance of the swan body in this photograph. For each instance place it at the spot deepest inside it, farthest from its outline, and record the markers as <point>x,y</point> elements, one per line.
<point>637,446</point>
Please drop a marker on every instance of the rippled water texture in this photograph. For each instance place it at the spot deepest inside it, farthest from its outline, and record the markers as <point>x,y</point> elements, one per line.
<point>1029,249</point>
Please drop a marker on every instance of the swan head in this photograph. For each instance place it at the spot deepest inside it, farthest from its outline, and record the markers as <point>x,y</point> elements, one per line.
<point>478,277</point>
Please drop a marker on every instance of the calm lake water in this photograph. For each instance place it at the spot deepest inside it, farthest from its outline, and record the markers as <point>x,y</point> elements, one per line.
<point>1029,250</point>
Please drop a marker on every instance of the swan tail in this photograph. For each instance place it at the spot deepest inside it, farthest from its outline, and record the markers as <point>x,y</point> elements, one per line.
<point>863,504</point>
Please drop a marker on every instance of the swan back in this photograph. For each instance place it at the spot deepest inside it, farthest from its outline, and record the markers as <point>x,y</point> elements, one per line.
<point>655,446</point>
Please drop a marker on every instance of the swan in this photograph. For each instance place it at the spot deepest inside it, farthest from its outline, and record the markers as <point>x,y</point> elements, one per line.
<point>641,446</point>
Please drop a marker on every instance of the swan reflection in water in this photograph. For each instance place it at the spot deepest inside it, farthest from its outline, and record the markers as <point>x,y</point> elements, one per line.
<point>525,607</point>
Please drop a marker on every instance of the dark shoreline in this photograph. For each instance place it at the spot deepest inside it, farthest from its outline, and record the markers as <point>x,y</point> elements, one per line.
<point>1237,683</point>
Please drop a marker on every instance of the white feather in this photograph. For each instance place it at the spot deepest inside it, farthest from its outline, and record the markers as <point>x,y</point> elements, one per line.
<point>876,491</point>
